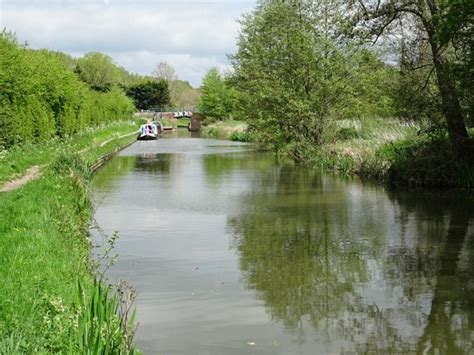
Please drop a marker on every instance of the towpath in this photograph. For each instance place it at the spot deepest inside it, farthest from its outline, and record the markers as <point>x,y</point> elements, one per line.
<point>35,171</point>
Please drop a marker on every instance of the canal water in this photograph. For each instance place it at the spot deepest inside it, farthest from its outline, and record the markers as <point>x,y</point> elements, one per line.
<point>233,252</point>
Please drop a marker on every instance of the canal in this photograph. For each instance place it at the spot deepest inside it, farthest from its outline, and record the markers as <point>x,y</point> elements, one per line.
<point>233,252</point>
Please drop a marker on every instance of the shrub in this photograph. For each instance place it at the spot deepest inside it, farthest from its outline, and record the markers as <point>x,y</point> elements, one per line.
<point>347,133</point>
<point>244,136</point>
<point>41,97</point>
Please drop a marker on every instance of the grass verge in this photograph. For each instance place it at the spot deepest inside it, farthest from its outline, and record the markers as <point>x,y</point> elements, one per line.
<point>51,300</point>
<point>17,160</point>
<point>228,129</point>
<point>396,153</point>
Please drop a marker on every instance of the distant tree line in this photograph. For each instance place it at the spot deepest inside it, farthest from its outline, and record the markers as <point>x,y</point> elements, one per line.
<point>181,93</point>
<point>46,94</point>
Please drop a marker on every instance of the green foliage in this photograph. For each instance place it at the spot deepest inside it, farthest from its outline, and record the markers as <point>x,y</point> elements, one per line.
<point>99,328</point>
<point>44,251</point>
<point>416,95</point>
<point>218,98</point>
<point>347,133</point>
<point>295,75</point>
<point>150,94</point>
<point>439,41</point>
<point>183,95</point>
<point>98,70</point>
<point>183,122</point>
<point>425,162</point>
<point>212,132</point>
<point>456,29</point>
<point>244,136</point>
<point>41,97</point>
<point>370,90</point>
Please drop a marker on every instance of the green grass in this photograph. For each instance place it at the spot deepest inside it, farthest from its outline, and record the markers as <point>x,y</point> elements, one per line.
<point>17,160</point>
<point>228,129</point>
<point>183,122</point>
<point>45,262</point>
<point>393,152</point>
<point>165,122</point>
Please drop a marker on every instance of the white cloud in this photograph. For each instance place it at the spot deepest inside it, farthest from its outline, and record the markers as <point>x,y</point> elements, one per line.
<point>190,35</point>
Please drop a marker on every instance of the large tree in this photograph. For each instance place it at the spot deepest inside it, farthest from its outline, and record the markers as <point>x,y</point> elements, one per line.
<point>217,99</point>
<point>437,23</point>
<point>150,94</point>
<point>165,71</point>
<point>182,94</point>
<point>98,70</point>
<point>291,71</point>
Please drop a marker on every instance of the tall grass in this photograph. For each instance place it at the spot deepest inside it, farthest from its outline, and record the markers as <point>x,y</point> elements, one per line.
<point>100,327</point>
<point>228,129</point>
<point>393,152</point>
<point>50,302</point>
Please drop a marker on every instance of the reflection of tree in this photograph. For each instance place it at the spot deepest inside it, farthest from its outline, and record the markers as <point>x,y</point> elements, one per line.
<point>439,266</point>
<point>153,163</point>
<point>299,270</point>
<point>453,297</point>
<point>293,255</point>
<point>113,170</point>
<point>318,252</point>
<point>217,165</point>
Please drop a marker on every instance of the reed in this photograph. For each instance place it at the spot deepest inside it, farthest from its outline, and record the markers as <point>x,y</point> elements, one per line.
<point>102,326</point>
<point>228,129</point>
<point>401,154</point>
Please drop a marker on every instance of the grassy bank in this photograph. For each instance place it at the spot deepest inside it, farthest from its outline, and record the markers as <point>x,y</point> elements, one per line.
<point>228,129</point>
<point>50,299</point>
<point>396,153</point>
<point>15,161</point>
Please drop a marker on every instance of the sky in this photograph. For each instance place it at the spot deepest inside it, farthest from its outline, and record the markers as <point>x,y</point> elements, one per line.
<point>190,35</point>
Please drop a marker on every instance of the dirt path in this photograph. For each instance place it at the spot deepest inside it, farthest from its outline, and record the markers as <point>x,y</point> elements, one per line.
<point>35,171</point>
<point>32,173</point>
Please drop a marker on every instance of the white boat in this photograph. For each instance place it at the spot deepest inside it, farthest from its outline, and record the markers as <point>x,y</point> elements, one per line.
<point>148,131</point>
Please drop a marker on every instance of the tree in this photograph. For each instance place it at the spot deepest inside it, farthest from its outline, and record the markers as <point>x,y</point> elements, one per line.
<point>165,72</point>
<point>98,70</point>
<point>435,21</point>
<point>291,72</point>
<point>184,95</point>
<point>149,94</point>
<point>217,99</point>
<point>41,97</point>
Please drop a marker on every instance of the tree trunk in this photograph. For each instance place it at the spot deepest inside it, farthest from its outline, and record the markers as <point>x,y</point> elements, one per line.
<point>451,109</point>
<point>450,105</point>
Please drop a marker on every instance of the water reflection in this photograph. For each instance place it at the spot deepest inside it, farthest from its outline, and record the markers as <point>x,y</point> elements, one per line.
<point>228,249</point>
<point>112,172</point>
<point>153,163</point>
<point>376,274</point>
<point>450,323</point>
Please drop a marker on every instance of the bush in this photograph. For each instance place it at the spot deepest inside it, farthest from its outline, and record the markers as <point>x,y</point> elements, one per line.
<point>425,162</point>
<point>41,97</point>
<point>347,133</point>
<point>240,136</point>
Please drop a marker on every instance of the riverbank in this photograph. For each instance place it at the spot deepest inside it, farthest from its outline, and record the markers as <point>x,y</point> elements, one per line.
<point>395,153</point>
<point>50,300</point>
<point>389,151</point>
<point>229,129</point>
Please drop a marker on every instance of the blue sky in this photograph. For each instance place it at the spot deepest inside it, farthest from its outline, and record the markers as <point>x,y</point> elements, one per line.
<point>190,35</point>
